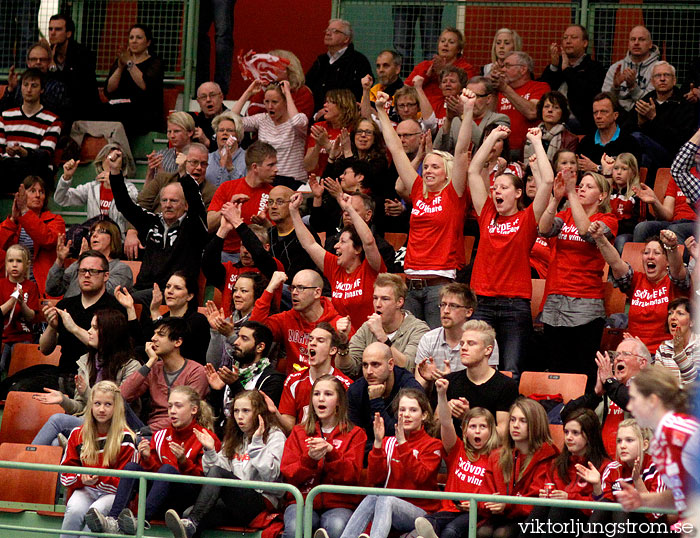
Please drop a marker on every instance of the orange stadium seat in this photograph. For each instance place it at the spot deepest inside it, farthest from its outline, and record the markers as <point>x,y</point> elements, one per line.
<point>24,416</point>
<point>570,386</point>
<point>24,486</point>
<point>26,355</point>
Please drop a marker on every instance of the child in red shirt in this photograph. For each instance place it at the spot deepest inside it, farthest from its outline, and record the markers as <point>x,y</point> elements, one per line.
<point>466,465</point>
<point>104,440</point>
<point>19,301</point>
<point>623,172</point>
<point>325,449</point>
<point>175,450</point>
<point>408,461</point>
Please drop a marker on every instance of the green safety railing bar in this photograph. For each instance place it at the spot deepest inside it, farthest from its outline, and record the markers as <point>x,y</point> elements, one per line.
<point>474,497</point>
<point>143,477</point>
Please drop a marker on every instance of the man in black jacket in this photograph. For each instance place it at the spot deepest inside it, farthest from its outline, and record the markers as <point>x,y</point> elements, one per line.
<point>575,74</point>
<point>340,67</point>
<point>173,239</point>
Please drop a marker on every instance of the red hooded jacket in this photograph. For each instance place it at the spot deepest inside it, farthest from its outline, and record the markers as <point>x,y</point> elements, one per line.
<point>161,454</point>
<point>577,489</point>
<point>528,485</point>
<point>341,466</point>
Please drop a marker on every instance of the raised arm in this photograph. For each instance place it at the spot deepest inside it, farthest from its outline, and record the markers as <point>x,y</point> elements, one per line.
<point>478,184</point>
<point>464,140</point>
<point>316,251</point>
<point>407,174</point>
<point>447,427</point>
<point>369,244</point>
<point>291,106</point>
<point>669,241</point>
<point>618,267</point>
<point>545,174</point>
<point>366,109</point>
<point>251,90</point>
<point>426,109</point>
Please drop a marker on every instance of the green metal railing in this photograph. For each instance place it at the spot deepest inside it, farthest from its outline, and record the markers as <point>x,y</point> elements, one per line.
<point>473,497</point>
<point>142,478</point>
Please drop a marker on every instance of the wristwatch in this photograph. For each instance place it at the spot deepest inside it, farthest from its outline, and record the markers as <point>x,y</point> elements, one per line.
<point>129,64</point>
<point>609,382</point>
<point>388,342</point>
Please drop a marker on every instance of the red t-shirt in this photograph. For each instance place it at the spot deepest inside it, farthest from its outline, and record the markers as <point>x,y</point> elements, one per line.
<point>296,395</point>
<point>233,271</point>
<point>541,255</point>
<point>519,125</point>
<point>435,229</point>
<point>256,204</point>
<point>106,198</point>
<point>681,210</point>
<point>649,308</point>
<point>463,476</point>
<point>18,330</point>
<point>502,263</point>
<point>609,432</point>
<point>352,292</point>
<point>333,133</point>
<point>576,268</point>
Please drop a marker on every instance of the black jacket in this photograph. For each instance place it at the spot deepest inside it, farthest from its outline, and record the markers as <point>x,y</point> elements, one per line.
<point>675,122</point>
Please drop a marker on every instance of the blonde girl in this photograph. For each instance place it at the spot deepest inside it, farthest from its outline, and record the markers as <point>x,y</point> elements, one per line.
<point>625,205</point>
<point>104,440</point>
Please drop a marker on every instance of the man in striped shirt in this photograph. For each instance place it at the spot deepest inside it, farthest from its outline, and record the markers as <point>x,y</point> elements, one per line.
<point>28,135</point>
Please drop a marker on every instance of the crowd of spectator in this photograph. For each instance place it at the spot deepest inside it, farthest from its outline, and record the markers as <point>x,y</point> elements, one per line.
<point>325,350</point>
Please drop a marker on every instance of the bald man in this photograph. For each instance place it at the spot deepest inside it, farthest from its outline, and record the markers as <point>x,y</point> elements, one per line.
<point>284,244</point>
<point>292,327</point>
<point>377,389</point>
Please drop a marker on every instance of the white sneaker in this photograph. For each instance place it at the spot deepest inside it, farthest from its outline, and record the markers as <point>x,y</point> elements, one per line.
<point>181,527</point>
<point>424,528</point>
<point>98,522</point>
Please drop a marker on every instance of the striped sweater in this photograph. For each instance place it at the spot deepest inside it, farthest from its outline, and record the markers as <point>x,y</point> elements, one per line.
<point>37,132</point>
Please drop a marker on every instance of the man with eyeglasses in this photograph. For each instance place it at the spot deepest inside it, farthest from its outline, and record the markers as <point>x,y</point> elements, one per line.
<point>664,118</point>
<point>518,96</point>
<point>211,103</point>
<point>341,66</point>
<point>173,239</point>
<point>253,191</point>
<point>70,319</point>
<point>292,328</point>
<point>611,394</point>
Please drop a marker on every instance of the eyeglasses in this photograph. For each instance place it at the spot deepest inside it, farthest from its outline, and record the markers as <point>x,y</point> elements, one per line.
<point>626,354</point>
<point>194,163</point>
<point>663,75</point>
<point>508,66</point>
<point>232,130</point>
<point>278,202</point>
<point>100,231</point>
<point>407,105</point>
<point>40,60</point>
<point>91,272</point>
<point>206,96</point>
<point>364,132</point>
<point>451,306</point>
<point>333,31</point>
<point>407,135</point>
<point>299,288</point>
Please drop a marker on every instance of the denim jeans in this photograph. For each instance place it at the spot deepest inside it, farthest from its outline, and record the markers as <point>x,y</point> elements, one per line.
<point>385,513</point>
<point>58,423</point>
<point>79,503</point>
<point>220,12</point>
<point>683,228</point>
<point>511,318</point>
<point>333,521</point>
<point>424,304</point>
<point>449,524</point>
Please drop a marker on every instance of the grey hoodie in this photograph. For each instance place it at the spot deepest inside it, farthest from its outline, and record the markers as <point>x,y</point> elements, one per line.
<point>628,97</point>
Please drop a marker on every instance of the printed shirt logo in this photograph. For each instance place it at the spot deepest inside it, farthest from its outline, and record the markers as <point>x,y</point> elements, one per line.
<point>423,208</point>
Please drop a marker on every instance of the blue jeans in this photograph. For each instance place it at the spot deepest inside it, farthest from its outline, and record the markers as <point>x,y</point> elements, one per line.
<point>220,12</point>
<point>385,513</point>
<point>79,503</point>
<point>424,304</point>
<point>511,318</point>
<point>683,228</point>
<point>333,521</point>
<point>449,524</point>
<point>620,241</point>
<point>58,423</point>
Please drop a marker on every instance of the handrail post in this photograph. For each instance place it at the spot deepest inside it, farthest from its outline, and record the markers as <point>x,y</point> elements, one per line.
<point>472,518</point>
<point>141,515</point>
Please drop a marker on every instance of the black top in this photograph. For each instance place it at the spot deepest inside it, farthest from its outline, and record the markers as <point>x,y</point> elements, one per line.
<point>196,348</point>
<point>675,122</point>
<point>78,76</point>
<point>204,123</point>
<point>71,348</point>
<point>288,250</point>
<point>624,143</point>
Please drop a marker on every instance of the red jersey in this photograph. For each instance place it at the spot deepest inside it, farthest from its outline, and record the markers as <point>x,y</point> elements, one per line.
<point>296,395</point>
<point>292,328</point>
<point>106,198</point>
<point>540,256</point>
<point>257,203</point>
<point>531,90</point>
<point>624,208</point>
<point>616,473</point>
<point>502,263</point>
<point>431,85</point>
<point>161,454</point>
<point>106,484</point>
<point>412,465</point>
<point>341,466</point>
<point>577,488</point>
<point>613,418</point>
<point>463,475</point>
<point>530,480</point>
<point>681,210</point>
<point>675,452</point>
<point>352,292</point>
<point>233,271</point>
<point>18,330</point>
<point>576,268</point>
<point>649,308</point>
<point>333,133</point>
<point>436,229</point>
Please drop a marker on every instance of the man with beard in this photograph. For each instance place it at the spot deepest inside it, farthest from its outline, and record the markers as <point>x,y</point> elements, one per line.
<point>611,393</point>
<point>324,344</point>
<point>246,366</point>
